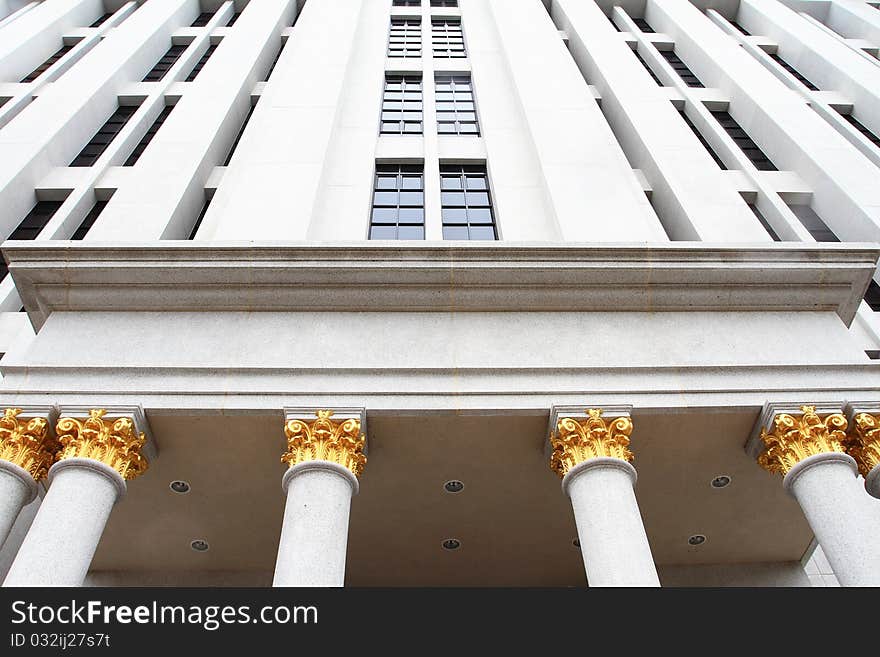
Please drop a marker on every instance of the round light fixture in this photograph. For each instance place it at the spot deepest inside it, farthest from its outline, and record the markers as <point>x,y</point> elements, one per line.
<point>199,545</point>
<point>453,486</point>
<point>721,481</point>
<point>451,544</point>
<point>696,539</point>
<point>179,486</point>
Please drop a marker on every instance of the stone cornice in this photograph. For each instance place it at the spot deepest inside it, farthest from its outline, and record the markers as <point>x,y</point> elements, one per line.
<point>674,276</point>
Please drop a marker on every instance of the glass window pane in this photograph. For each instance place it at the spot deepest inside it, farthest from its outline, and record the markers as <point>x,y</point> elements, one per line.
<point>412,182</point>
<point>411,233</point>
<point>448,182</point>
<point>479,215</point>
<point>482,233</point>
<point>383,232</point>
<point>384,215</point>
<point>455,232</point>
<point>475,183</point>
<point>412,198</point>
<point>385,198</point>
<point>452,199</point>
<point>412,215</point>
<point>477,198</point>
<point>455,216</point>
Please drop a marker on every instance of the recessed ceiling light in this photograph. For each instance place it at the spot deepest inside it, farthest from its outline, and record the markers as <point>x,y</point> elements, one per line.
<point>179,486</point>
<point>451,544</point>
<point>453,486</point>
<point>199,545</point>
<point>721,481</point>
<point>696,539</point>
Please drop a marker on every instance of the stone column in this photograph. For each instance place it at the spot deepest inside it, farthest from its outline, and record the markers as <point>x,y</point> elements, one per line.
<point>97,456</point>
<point>26,452</point>
<point>592,457</point>
<point>325,459</point>
<point>808,449</point>
<point>863,444</point>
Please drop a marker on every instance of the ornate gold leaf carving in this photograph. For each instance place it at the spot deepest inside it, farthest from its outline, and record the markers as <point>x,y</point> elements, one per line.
<point>863,444</point>
<point>795,438</point>
<point>576,441</point>
<point>27,443</point>
<point>326,440</point>
<point>117,445</point>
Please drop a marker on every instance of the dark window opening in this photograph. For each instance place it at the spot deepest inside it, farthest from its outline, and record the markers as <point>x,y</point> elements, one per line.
<point>272,65</point>
<point>203,19</point>
<point>31,226</point>
<point>788,67</point>
<point>740,28</point>
<point>201,63</point>
<point>858,126</point>
<point>643,25</point>
<point>702,140</point>
<point>238,136</point>
<point>813,223</point>
<point>745,143</point>
<point>105,135</point>
<point>647,68</point>
<point>764,222</point>
<point>49,63</point>
<point>681,68</point>
<point>147,138</point>
<point>872,296</point>
<point>201,216</point>
<point>89,221</point>
<point>233,19</point>
<point>101,21</point>
<point>164,64</point>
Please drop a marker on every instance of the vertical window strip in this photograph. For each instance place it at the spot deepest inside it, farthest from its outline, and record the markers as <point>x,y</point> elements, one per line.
<point>745,143</point>
<point>164,64</point>
<point>702,140</point>
<point>201,63</point>
<point>405,37</point>
<point>398,211</point>
<point>31,225</point>
<point>203,19</point>
<point>759,215</point>
<point>456,109</point>
<point>849,118</point>
<point>147,138</point>
<point>49,63</point>
<point>199,219</point>
<point>643,25</point>
<point>101,20</point>
<point>402,105</point>
<point>104,137</point>
<point>89,221</point>
<point>274,62</point>
<point>681,68</point>
<point>466,203</point>
<point>238,136</point>
<point>647,68</point>
<point>788,67</point>
<point>233,19</point>
<point>447,38</point>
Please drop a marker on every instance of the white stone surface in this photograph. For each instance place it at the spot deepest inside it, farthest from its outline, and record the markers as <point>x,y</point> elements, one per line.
<point>613,541</point>
<point>17,489</point>
<point>65,533</point>
<point>314,535</point>
<point>845,520</point>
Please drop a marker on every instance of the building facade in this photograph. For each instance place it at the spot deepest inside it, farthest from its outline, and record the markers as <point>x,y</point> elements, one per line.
<point>440,292</point>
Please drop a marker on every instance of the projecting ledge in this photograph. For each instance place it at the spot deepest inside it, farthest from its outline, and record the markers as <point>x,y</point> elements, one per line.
<point>675,276</point>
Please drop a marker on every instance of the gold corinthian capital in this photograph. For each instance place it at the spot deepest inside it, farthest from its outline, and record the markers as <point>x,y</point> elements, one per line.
<point>27,443</point>
<point>116,444</point>
<point>863,443</point>
<point>576,441</point>
<point>796,437</point>
<point>326,440</point>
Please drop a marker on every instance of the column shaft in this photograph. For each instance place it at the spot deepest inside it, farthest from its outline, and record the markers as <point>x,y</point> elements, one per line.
<point>844,519</point>
<point>314,536</point>
<point>63,538</point>
<point>614,545</point>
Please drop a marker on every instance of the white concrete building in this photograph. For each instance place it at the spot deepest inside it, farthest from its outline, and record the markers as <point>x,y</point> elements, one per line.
<point>440,254</point>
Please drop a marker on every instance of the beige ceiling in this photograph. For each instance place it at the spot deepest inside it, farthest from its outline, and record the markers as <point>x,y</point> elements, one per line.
<point>514,524</point>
